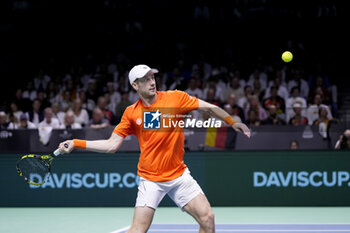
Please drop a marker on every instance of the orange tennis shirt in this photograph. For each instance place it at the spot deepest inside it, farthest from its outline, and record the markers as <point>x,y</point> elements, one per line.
<point>162,150</point>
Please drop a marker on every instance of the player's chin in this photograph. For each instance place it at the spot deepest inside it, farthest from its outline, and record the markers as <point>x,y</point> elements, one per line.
<point>152,91</point>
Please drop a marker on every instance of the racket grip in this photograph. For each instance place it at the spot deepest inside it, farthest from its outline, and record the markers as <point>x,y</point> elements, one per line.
<point>57,152</point>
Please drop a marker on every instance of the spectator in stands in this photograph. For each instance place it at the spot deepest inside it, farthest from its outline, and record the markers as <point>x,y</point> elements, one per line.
<point>243,102</point>
<point>253,118</point>
<point>275,100</point>
<point>57,113</point>
<point>84,77</point>
<point>87,104</point>
<point>273,118</point>
<point>68,95</point>
<point>327,101</point>
<point>45,103</point>
<point>159,83</point>
<point>123,85</point>
<point>41,80</point>
<point>218,92</point>
<point>343,142</point>
<point>176,80</point>
<point>322,117</point>
<point>98,121</point>
<point>237,110</point>
<point>323,122</point>
<point>299,82</point>
<point>120,108</point>
<point>30,92</point>
<point>312,111</point>
<point>81,115</point>
<point>24,123</point>
<point>231,112</point>
<point>203,68</point>
<point>328,91</point>
<point>258,90</point>
<point>22,103</point>
<point>298,118</point>
<point>113,94</point>
<point>193,90</point>
<point>13,121</point>
<point>70,87</point>
<point>92,93</point>
<point>52,93</point>
<point>259,76</point>
<point>15,111</point>
<point>279,74</point>
<point>69,121</point>
<point>294,145</point>
<point>107,114</point>
<point>254,104</point>
<point>281,87</point>
<point>66,100</point>
<point>3,121</point>
<point>35,115</point>
<point>235,88</point>
<point>319,86</point>
<point>295,97</point>
<point>133,96</point>
<point>49,121</point>
<point>109,104</point>
<point>223,78</point>
<point>211,97</point>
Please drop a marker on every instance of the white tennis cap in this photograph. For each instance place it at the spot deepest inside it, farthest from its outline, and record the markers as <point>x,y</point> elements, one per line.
<point>139,71</point>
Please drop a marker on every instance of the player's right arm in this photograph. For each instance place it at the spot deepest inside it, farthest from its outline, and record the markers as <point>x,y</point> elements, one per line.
<point>110,145</point>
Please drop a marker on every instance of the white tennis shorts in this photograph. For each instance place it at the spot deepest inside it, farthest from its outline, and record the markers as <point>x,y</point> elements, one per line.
<point>181,190</point>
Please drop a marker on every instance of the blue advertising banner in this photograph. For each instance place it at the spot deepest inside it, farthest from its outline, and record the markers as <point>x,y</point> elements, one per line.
<point>235,178</point>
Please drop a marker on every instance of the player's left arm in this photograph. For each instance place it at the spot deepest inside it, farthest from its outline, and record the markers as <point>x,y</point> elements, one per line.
<point>221,114</point>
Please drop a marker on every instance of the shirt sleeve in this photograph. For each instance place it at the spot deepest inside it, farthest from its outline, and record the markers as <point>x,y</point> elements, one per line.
<point>186,101</point>
<point>124,128</point>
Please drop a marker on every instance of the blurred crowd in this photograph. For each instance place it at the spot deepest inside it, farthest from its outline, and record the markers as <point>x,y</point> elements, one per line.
<point>222,52</point>
<point>267,96</point>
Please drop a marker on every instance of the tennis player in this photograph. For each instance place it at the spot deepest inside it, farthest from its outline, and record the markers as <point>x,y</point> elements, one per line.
<point>161,166</point>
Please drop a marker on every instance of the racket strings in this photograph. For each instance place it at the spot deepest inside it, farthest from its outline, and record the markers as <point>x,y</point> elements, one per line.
<point>34,169</point>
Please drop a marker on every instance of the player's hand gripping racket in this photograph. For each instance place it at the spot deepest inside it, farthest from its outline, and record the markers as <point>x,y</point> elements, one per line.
<point>36,169</point>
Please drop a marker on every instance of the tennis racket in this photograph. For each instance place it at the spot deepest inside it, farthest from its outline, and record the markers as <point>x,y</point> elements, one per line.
<point>36,169</point>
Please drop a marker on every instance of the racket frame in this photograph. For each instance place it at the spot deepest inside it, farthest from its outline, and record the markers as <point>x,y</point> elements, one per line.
<point>47,159</point>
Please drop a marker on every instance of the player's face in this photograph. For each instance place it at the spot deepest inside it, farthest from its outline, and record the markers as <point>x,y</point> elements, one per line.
<point>146,86</point>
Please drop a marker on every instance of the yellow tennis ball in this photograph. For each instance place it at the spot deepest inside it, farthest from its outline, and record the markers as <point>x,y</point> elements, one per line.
<point>287,56</point>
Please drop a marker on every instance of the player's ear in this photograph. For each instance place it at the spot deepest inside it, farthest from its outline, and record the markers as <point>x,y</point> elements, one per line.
<point>135,86</point>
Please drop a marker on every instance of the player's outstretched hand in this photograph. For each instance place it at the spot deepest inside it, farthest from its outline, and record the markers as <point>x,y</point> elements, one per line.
<point>243,128</point>
<point>64,149</point>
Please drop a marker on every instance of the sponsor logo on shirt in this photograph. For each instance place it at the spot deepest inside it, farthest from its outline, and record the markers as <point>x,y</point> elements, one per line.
<point>139,121</point>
